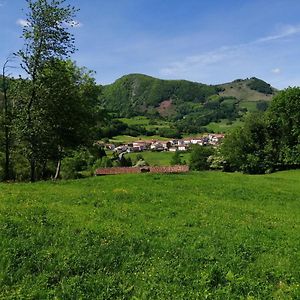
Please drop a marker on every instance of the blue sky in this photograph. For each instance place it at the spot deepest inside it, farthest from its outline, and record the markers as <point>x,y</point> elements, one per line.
<point>209,41</point>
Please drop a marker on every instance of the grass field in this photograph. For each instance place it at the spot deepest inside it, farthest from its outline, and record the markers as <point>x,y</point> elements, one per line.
<point>123,139</point>
<point>223,126</point>
<point>249,105</point>
<point>145,122</point>
<point>205,235</point>
<point>159,158</point>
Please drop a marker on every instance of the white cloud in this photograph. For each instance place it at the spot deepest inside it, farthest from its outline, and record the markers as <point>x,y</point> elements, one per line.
<point>225,52</point>
<point>196,60</point>
<point>286,31</point>
<point>74,24</point>
<point>276,71</point>
<point>22,22</point>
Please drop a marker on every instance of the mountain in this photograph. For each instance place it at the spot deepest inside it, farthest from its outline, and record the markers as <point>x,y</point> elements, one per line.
<point>141,94</point>
<point>252,89</point>
<point>138,94</point>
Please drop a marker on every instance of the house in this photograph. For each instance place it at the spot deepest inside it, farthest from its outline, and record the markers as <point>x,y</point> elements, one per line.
<point>214,139</point>
<point>122,148</point>
<point>187,142</point>
<point>157,146</point>
<point>139,146</point>
<point>197,141</point>
<point>173,149</point>
<point>166,145</point>
<point>182,148</point>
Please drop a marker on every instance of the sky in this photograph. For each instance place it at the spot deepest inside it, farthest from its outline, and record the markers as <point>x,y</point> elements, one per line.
<point>208,41</point>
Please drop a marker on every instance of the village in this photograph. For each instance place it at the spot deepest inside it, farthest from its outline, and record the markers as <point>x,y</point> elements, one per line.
<point>171,145</point>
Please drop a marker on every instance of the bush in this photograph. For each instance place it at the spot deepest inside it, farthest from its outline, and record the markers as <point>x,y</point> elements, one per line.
<point>246,148</point>
<point>260,86</point>
<point>176,159</point>
<point>75,166</point>
<point>103,162</point>
<point>21,167</point>
<point>199,157</point>
<point>124,162</point>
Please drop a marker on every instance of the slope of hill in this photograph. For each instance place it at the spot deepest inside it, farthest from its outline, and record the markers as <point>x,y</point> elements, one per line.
<point>252,89</point>
<point>189,106</point>
<point>138,94</point>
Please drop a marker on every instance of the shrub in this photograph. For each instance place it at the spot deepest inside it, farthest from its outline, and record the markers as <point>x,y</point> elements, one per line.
<point>176,159</point>
<point>74,166</point>
<point>199,157</point>
<point>103,162</point>
<point>260,86</point>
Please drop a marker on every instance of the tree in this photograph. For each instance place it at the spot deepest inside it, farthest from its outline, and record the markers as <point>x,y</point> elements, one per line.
<point>176,159</point>
<point>246,148</point>
<point>69,102</point>
<point>284,126</point>
<point>267,141</point>
<point>199,157</point>
<point>46,38</point>
<point>7,122</point>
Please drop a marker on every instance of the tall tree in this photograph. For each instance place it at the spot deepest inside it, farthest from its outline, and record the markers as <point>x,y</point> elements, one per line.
<point>7,121</point>
<point>284,126</point>
<point>70,108</point>
<point>46,38</point>
<point>246,148</point>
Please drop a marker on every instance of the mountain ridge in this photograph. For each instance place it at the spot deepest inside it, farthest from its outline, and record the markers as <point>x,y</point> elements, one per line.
<point>141,94</point>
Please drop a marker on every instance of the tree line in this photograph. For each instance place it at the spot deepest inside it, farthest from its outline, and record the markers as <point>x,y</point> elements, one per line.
<point>267,141</point>
<point>54,108</point>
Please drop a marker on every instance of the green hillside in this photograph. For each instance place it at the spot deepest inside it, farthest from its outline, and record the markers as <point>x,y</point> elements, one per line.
<point>137,93</point>
<point>206,235</point>
<point>252,89</point>
<point>189,106</point>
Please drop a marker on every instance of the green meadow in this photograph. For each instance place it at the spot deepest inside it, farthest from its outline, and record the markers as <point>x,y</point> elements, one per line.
<point>201,235</point>
<point>156,158</point>
<point>224,126</point>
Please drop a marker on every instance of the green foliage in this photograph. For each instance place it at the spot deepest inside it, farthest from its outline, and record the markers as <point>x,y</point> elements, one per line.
<point>284,126</point>
<point>176,159</point>
<point>262,105</point>
<point>194,119</point>
<point>169,133</point>
<point>135,93</point>
<point>268,141</point>
<point>103,162</point>
<point>260,86</point>
<point>124,162</point>
<point>199,157</point>
<point>151,236</point>
<point>47,40</point>
<point>244,149</point>
<point>75,165</point>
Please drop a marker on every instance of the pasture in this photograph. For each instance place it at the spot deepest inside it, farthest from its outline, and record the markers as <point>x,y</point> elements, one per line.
<point>201,235</point>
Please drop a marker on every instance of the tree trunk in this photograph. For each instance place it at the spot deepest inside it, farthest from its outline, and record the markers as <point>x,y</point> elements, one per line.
<point>57,173</point>
<point>7,120</point>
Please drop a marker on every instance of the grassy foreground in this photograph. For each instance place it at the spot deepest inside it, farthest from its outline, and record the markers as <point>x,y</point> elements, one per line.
<point>206,235</point>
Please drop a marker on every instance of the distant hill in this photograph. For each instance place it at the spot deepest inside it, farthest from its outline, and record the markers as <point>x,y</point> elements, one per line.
<point>138,94</point>
<point>252,89</point>
<point>141,94</point>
